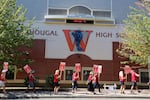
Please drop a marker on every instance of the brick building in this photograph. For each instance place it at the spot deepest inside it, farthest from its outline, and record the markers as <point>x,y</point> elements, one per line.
<point>96,23</point>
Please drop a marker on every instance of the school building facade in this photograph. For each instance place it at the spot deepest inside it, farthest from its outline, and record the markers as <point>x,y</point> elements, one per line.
<point>77,31</point>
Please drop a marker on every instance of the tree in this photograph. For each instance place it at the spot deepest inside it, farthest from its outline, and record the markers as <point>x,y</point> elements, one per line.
<point>136,36</point>
<point>14,35</point>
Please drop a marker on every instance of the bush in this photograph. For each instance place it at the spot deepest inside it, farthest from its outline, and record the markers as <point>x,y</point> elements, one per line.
<point>49,81</point>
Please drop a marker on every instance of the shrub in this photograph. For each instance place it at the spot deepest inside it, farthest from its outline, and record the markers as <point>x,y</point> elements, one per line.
<point>49,80</point>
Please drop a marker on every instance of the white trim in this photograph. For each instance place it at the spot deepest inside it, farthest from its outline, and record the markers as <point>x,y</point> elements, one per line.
<point>80,5</point>
<point>111,9</point>
<point>57,8</point>
<point>47,6</point>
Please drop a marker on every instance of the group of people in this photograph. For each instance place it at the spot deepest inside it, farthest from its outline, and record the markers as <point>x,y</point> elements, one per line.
<point>123,78</point>
<point>92,82</point>
<point>57,77</point>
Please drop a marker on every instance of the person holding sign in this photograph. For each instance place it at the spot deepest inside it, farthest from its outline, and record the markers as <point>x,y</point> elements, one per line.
<point>96,82</point>
<point>122,80</point>
<point>31,81</point>
<point>75,77</point>
<point>3,80</point>
<point>89,82</point>
<point>134,77</point>
<point>57,77</point>
<point>97,71</point>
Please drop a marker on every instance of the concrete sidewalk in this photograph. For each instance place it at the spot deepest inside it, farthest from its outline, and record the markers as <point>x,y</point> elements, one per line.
<point>81,93</point>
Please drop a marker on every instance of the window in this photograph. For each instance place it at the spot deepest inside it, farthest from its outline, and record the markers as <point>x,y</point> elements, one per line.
<point>11,74</point>
<point>68,73</point>
<point>79,10</point>
<point>144,76</point>
<point>102,13</point>
<point>85,72</point>
<point>57,12</point>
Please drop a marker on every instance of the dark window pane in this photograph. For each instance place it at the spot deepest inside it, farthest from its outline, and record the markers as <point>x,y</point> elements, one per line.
<point>144,77</point>
<point>85,74</point>
<point>69,74</point>
<point>10,75</point>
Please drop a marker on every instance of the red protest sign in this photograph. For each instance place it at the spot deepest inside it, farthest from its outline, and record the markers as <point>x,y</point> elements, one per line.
<point>99,68</point>
<point>62,66</point>
<point>95,68</point>
<point>5,66</point>
<point>127,69</point>
<point>78,67</point>
<point>27,68</point>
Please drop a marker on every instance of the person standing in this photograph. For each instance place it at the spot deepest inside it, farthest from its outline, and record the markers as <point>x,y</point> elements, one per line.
<point>57,77</point>
<point>3,80</point>
<point>122,81</point>
<point>96,82</point>
<point>31,81</point>
<point>134,77</point>
<point>75,77</point>
<point>89,82</point>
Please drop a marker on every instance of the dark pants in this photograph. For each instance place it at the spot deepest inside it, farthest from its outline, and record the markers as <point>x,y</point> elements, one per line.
<point>90,86</point>
<point>74,85</point>
<point>96,85</point>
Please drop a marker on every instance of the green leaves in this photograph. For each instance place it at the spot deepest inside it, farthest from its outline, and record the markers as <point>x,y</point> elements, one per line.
<point>13,33</point>
<point>136,37</point>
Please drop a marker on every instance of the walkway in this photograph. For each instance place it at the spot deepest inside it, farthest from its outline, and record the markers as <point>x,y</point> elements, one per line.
<point>81,93</point>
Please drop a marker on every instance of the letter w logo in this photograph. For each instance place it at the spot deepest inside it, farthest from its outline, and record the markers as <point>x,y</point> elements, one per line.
<point>77,39</point>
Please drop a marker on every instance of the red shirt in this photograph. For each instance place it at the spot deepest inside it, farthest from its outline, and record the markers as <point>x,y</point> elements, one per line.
<point>90,78</point>
<point>74,76</point>
<point>133,76</point>
<point>2,78</point>
<point>31,78</point>
<point>121,78</point>
<point>56,77</point>
<point>96,78</point>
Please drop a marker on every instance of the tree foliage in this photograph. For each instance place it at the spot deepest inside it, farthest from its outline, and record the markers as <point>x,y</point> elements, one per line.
<point>13,33</point>
<point>136,36</point>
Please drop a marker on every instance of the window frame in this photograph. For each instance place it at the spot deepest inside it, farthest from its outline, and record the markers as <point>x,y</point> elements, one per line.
<point>85,68</point>
<point>67,68</point>
<point>142,70</point>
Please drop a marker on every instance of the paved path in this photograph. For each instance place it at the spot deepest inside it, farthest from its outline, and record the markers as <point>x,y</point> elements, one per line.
<point>81,93</point>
